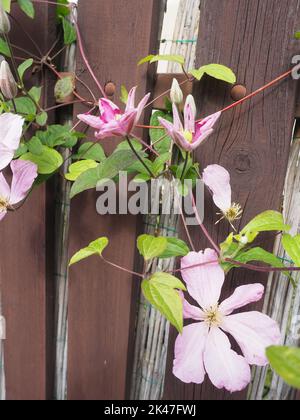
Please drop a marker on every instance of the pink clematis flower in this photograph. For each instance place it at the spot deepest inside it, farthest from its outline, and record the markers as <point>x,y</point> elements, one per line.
<point>204,347</point>
<point>193,133</point>
<point>24,174</point>
<point>217,179</point>
<point>11,127</point>
<point>112,121</point>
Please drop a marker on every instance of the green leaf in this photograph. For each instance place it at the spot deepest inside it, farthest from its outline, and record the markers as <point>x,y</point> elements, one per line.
<point>171,58</point>
<point>4,49</point>
<point>90,150</point>
<point>94,248</point>
<point>21,150</point>
<point>266,222</point>
<point>175,248</point>
<point>159,164</point>
<point>108,169</point>
<point>161,291</point>
<point>58,135</point>
<point>297,35</point>
<point>141,178</point>
<point>216,71</point>
<point>151,247</point>
<point>48,161</point>
<point>27,7</point>
<point>125,146</point>
<point>69,32</point>
<point>286,363</point>
<point>78,168</point>
<point>24,66</point>
<point>124,94</point>
<point>156,134</point>
<point>292,247</point>
<point>64,88</point>
<point>62,9</point>
<point>36,93</point>
<point>42,118</point>
<point>146,59</point>
<point>35,146</point>
<point>6,5</point>
<point>26,106</point>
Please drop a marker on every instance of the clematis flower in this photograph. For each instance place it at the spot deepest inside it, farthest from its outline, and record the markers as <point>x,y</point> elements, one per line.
<point>217,179</point>
<point>203,346</point>
<point>11,127</point>
<point>193,133</point>
<point>24,174</point>
<point>112,121</point>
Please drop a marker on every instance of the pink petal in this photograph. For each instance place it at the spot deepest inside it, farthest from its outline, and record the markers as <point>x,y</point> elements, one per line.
<point>131,99</point>
<point>189,118</point>
<point>204,283</point>
<point>91,120</point>
<point>141,106</point>
<point>4,188</point>
<point>241,297</point>
<point>217,179</point>
<point>6,156</point>
<point>254,332</point>
<point>167,125</point>
<point>189,347</point>
<point>11,128</point>
<point>3,213</point>
<point>200,140</point>
<point>190,311</point>
<point>225,368</point>
<point>24,174</point>
<point>108,110</point>
<point>177,121</point>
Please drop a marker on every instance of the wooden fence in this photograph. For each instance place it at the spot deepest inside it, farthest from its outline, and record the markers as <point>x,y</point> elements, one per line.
<point>255,38</point>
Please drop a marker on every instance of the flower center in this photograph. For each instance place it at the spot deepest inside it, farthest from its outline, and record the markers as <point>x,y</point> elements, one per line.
<point>118,117</point>
<point>213,316</point>
<point>188,135</point>
<point>3,204</point>
<point>233,213</point>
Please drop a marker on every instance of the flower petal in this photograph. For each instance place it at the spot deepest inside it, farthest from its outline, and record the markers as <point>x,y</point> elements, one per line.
<point>217,179</point>
<point>3,213</point>
<point>190,311</point>
<point>11,127</point>
<point>4,188</point>
<point>189,348</point>
<point>254,332</point>
<point>204,283</point>
<point>225,368</point>
<point>91,120</point>
<point>241,297</point>
<point>189,118</point>
<point>108,110</point>
<point>131,99</point>
<point>140,107</point>
<point>24,174</point>
<point>177,121</point>
<point>6,156</point>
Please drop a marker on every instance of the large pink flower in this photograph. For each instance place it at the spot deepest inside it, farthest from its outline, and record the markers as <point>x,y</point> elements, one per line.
<point>112,121</point>
<point>193,133</point>
<point>24,174</point>
<point>11,127</point>
<point>203,347</point>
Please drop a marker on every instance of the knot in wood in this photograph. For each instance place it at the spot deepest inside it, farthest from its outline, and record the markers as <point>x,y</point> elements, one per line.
<point>242,162</point>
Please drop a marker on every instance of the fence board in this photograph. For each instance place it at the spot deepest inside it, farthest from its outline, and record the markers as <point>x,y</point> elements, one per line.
<point>255,38</point>
<point>23,265</point>
<point>115,37</point>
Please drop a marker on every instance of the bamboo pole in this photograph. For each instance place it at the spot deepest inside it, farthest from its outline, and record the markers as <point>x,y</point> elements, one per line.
<point>282,300</point>
<point>2,367</point>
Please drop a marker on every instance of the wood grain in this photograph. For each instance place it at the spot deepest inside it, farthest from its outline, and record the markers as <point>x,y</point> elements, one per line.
<point>255,39</point>
<point>116,35</point>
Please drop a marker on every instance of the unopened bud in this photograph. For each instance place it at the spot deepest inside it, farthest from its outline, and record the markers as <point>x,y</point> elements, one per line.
<point>176,94</point>
<point>8,85</point>
<point>191,102</point>
<point>4,21</point>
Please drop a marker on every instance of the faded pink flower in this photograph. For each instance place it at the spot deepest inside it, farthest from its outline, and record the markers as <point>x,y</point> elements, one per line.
<point>24,174</point>
<point>11,127</point>
<point>204,347</point>
<point>217,179</point>
<point>193,133</point>
<point>112,121</point>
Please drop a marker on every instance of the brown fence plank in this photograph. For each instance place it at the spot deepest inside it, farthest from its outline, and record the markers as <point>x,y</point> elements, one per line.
<point>23,263</point>
<point>116,34</point>
<point>255,38</point>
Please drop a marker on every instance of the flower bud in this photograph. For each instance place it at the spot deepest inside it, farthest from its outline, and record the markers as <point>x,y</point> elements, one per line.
<point>4,21</point>
<point>8,85</point>
<point>191,101</point>
<point>176,94</point>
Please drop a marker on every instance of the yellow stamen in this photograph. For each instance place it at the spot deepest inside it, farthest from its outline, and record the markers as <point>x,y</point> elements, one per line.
<point>188,135</point>
<point>213,316</point>
<point>4,203</point>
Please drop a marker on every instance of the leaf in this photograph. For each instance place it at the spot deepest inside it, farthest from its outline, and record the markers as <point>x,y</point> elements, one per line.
<point>297,35</point>
<point>265,222</point>
<point>124,94</point>
<point>292,247</point>
<point>154,58</point>
<point>161,291</point>
<point>125,146</point>
<point>21,150</point>
<point>36,93</point>
<point>286,363</point>
<point>4,49</point>
<point>48,161</point>
<point>150,246</point>
<point>146,59</point>
<point>108,169</point>
<point>58,135</point>
<point>92,151</point>
<point>42,118</point>
<point>94,248</point>
<point>216,71</point>
<point>69,32</point>
<point>156,134</point>
<point>62,9</point>
<point>78,168</point>
<point>25,106</point>
<point>64,88</point>
<point>24,66</point>
<point>159,164</point>
<point>6,5</point>
<point>141,178</point>
<point>35,146</point>
<point>27,7</point>
<point>175,248</point>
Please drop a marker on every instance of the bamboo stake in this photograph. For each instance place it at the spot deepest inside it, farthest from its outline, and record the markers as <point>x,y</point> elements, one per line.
<point>2,367</point>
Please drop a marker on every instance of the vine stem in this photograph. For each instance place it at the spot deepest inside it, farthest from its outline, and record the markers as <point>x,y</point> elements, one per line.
<point>126,270</point>
<point>139,157</point>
